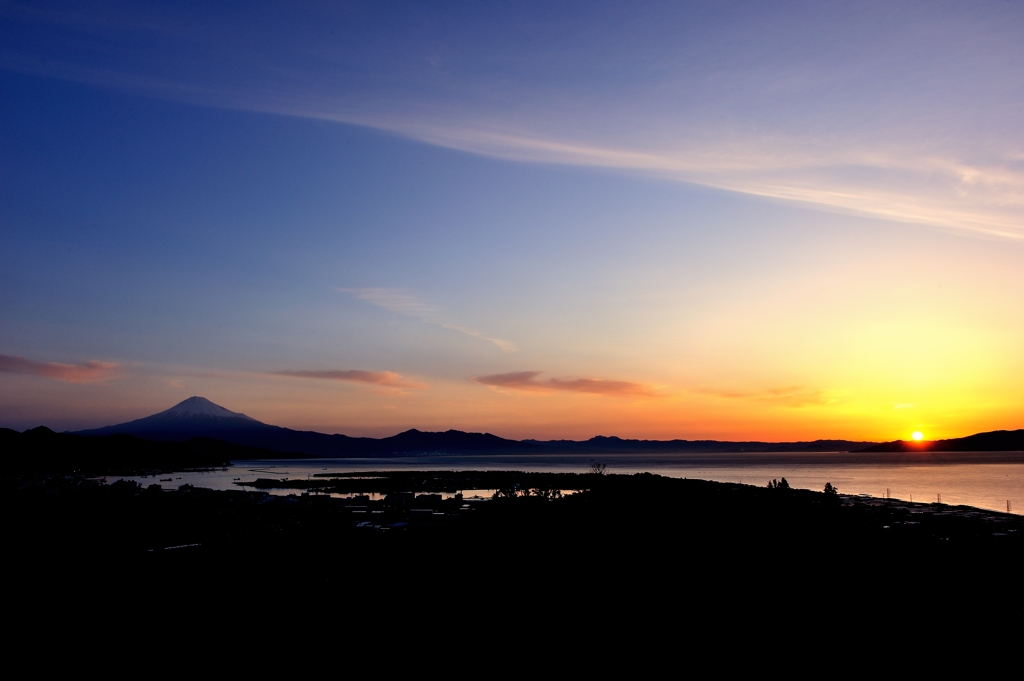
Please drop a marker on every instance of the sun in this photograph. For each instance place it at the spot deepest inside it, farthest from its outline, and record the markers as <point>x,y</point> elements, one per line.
<point>917,435</point>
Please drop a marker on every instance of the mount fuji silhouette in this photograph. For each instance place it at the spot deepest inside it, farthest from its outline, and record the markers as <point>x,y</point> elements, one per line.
<point>198,417</point>
<point>196,414</point>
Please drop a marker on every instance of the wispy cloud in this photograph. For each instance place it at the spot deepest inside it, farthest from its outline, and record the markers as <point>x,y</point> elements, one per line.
<point>954,189</point>
<point>394,300</point>
<point>890,182</point>
<point>385,378</point>
<point>87,372</point>
<point>503,345</point>
<point>527,380</point>
<point>909,117</point>
<point>791,396</point>
<point>403,303</point>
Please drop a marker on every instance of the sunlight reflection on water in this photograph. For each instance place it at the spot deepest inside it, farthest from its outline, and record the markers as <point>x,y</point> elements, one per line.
<point>984,485</point>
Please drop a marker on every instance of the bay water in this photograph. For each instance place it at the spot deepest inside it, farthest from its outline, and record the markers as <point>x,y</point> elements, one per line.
<point>993,481</point>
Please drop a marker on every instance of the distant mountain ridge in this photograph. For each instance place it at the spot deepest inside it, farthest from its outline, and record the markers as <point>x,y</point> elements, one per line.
<point>198,417</point>
<point>602,443</point>
<point>993,441</point>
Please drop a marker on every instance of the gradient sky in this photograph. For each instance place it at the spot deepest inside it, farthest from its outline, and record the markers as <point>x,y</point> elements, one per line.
<point>717,220</point>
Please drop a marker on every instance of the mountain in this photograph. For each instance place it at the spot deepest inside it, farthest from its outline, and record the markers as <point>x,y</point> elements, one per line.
<point>198,417</point>
<point>994,441</point>
<point>194,417</point>
<point>604,444</point>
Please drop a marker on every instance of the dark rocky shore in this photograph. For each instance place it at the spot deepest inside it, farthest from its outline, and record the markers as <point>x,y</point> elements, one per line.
<point>637,542</point>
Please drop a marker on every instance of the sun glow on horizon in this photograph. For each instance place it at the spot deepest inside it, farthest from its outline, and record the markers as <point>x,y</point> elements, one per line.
<point>917,435</point>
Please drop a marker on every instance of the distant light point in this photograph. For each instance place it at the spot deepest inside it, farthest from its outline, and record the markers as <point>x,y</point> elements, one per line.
<point>917,435</point>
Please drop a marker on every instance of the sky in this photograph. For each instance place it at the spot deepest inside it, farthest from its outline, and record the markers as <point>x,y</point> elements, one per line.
<point>699,220</point>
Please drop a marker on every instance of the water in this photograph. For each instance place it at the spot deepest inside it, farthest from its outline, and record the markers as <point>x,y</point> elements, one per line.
<point>984,480</point>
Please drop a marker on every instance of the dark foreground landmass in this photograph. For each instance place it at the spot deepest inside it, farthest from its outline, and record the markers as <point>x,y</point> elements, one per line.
<point>630,547</point>
<point>40,450</point>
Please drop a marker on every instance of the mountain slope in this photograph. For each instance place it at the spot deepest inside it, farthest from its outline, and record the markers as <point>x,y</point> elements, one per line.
<point>194,415</point>
<point>199,417</point>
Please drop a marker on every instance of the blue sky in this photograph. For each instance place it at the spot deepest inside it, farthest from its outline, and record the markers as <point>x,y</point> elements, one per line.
<point>673,220</point>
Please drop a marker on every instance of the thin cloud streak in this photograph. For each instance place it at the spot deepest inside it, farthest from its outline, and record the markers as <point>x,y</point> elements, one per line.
<point>384,378</point>
<point>503,345</point>
<point>394,300</point>
<point>900,113</point>
<point>528,381</point>
<point>87,372</point>
<point>791,396</point>
<point>889,184</point>
<point>400,302</point>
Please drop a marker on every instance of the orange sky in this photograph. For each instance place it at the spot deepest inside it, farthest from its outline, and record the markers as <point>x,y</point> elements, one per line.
<point>763,223</point>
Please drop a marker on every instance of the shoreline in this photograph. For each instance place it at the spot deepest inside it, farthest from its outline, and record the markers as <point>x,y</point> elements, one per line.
<point>640,457</point>
<point>739,543</point>
<point>988,485</point>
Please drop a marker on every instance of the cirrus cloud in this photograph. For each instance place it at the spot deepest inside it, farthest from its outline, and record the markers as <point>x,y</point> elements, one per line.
<point>400,302</point>
<point>901,113</point>
<point>527,380</point>
<point>790,396</point>
<point>88,372</point>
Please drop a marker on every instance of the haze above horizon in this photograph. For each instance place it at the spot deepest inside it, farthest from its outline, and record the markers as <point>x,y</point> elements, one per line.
<point>728,221</point>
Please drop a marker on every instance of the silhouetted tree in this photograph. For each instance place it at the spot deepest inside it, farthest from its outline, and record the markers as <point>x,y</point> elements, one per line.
<point>830,490</point>
<point>597,468</point>
<point>546,493</point>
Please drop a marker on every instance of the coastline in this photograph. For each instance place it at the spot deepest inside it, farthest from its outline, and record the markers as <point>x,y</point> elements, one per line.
<point>737,540</point>
<point>958,478</point>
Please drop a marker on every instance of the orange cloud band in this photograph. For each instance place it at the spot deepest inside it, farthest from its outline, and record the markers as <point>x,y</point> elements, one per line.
<point>89,372</point>
<point>385,378</point>
<point>796,395</point>
<point>527,380</point>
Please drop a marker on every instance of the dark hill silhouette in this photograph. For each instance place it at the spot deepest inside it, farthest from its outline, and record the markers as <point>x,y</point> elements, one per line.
<point>198,417</point>
<point>605,444</point>
<point>40,450</point>
<point>994,441</point>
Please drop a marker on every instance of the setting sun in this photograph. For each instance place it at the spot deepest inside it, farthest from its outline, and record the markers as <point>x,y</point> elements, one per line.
<point>917,435</point>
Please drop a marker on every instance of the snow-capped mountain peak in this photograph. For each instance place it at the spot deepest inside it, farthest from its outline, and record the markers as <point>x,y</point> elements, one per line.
<point>200,408</point>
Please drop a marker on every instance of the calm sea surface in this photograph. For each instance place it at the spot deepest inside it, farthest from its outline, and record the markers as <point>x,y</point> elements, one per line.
<point>956,478</point>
